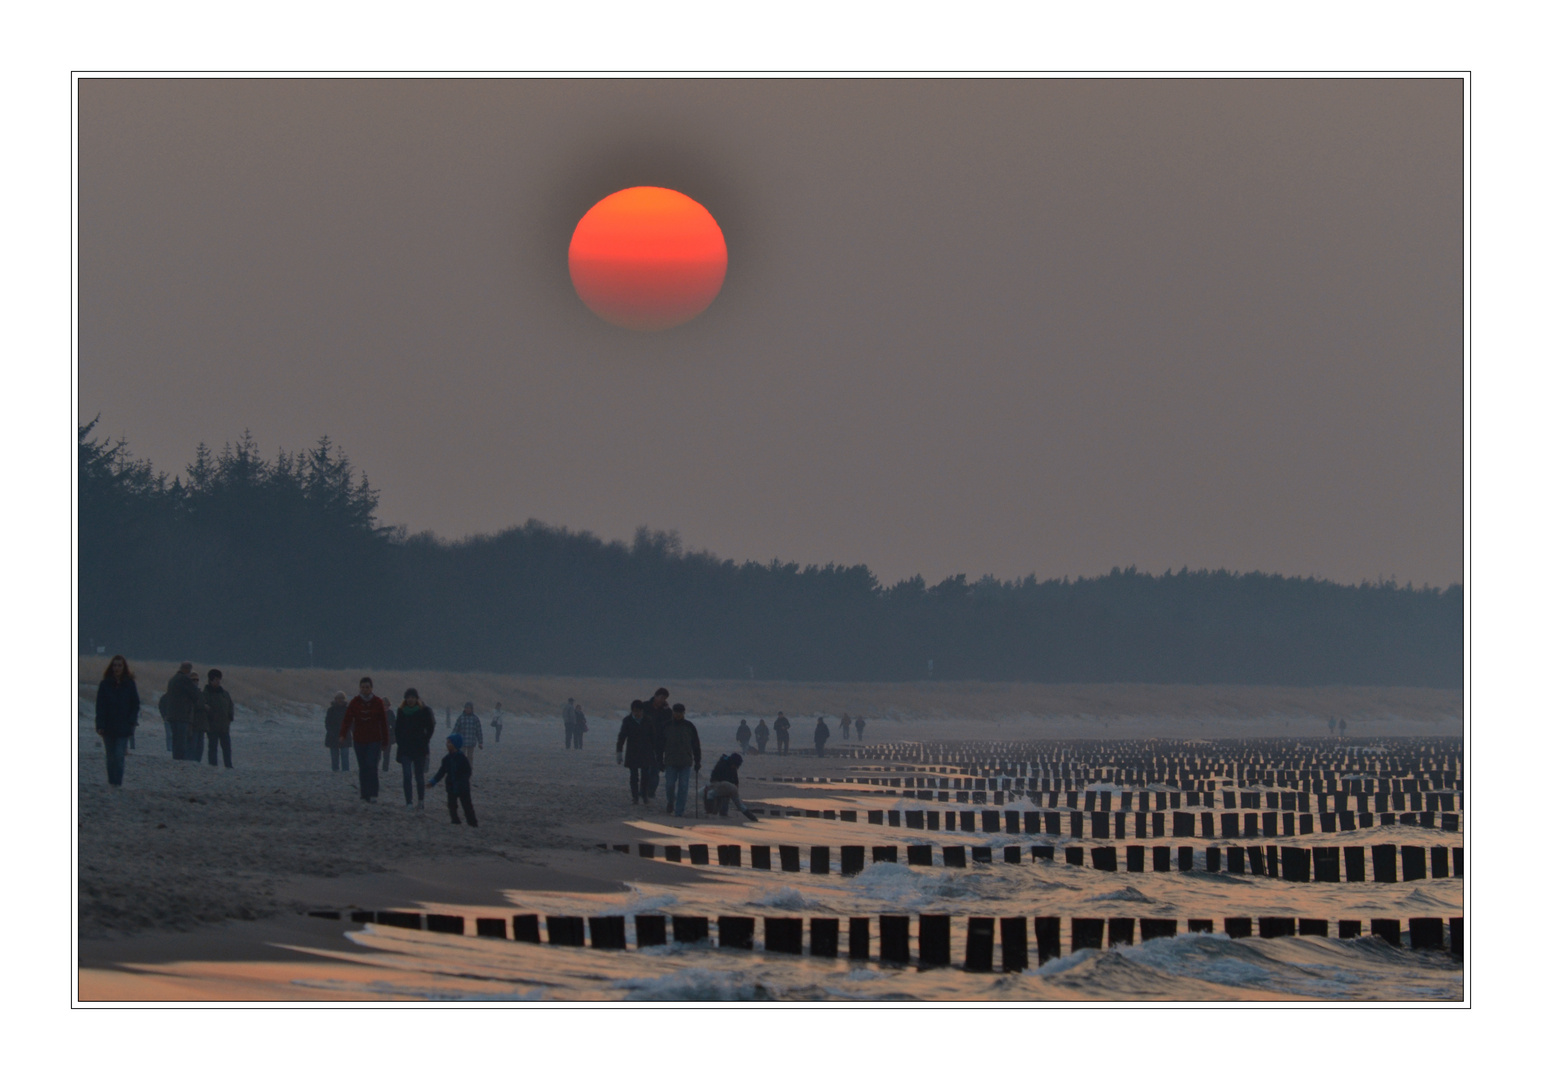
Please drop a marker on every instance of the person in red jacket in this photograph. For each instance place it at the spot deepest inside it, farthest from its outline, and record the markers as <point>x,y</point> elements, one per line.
<point>365,723</point>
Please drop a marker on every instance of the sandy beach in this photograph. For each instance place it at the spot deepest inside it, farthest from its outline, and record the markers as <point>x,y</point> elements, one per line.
<point>189,863</point>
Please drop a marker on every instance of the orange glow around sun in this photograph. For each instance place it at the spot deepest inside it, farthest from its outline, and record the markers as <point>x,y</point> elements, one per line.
<point>647,258</point>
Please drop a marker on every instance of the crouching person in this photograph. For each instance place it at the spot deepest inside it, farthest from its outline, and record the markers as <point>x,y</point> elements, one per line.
<point>723,787</point>
<point>455,770</point>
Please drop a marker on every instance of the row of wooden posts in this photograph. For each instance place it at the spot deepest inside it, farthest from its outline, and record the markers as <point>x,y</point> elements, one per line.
<point>1287,863</point>
<point>933,938</point>
<point>1121,826</point>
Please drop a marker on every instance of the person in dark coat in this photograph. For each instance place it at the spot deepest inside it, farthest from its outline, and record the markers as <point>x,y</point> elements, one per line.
<point>216,712</point>
<point>821,736</point>
<point>332,737</point>
<point>365,723</point>
<point>743,736</point>
<point>580,725</point>
<point>682,753</point>
<point>861,727</point>
<point>762,735</point>
<point>181,700</point>
<point>117,714</point>
<point>656,713</point>
<point>414,732</point>
<point>635,750</point>
<point>455,770</point>
<point>783,728</point>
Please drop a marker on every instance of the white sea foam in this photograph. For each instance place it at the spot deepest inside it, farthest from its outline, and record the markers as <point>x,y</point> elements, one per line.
<point>694,984</point>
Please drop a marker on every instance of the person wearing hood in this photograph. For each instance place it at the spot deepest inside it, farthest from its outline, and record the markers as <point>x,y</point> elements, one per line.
<point>723,788</point>
<point>117,714</point>
<point>783,728</point>
<point>744,735</point>
<point>216,712</point>
<point>821,736</point>
<point>414,734</point>
<point>762,735</point>
<point>332,732</point>
<point>682,752</point>
<point>455,771</point>
<point>635,750</point>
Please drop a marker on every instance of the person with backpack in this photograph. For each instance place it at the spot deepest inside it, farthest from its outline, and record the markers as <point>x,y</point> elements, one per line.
<point>783,728</point>
<point>117,714</point>
<point>216,712</point>
<point>723,788</point>
<point>743,735</point>
<point>821,736</point>
<point>455,771</point>
<point>635,750</point>
<point>762,735</point>
<point>332,732</point>
<point>414,735</point>
<point>682,753</point>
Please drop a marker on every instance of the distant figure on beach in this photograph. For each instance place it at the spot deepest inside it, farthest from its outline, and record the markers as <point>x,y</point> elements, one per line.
<point>365,724</point>
<point>682,753</point>
<point>783,728</point>
<point>636,750</point>
<point>1343,725</point>
<point>197,728</point>
<point>468,725</point>
<point>216,711</point>
<point>744,735</point>
<point>455,771</point>
<point>845,727</point>
<point>861,726</point>
<point>722,788</point>
<point>181,700</point>
<point>821,736</point>
<point>762,735</point>
<point>580,725</point>
<point>414,735</point>
<point>497,724</point>
<point>332,736</point>
<point>117,714</point>
<point>567,725</point>
<point>1330,725</point>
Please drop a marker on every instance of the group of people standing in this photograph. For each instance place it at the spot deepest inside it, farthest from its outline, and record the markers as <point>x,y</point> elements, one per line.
<point>761,734</point>
<point>191,715</point>
<point>657,737</point>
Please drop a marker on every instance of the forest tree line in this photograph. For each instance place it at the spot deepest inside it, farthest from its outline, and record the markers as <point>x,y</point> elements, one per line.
<point>283,562</point>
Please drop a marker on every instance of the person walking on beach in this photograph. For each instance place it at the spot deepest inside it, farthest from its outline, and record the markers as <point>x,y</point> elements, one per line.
<point>783,728</point>
<point>821,736</point>
<point>117,714</point>
<point>861,726</point>
<point>580,725</point>
<point>332,737</point>
<point>635,750</point>
<point>469,727</point>
<point>845,727</point>
<point>216,711</point>
<point>762,735</point>
<point>365,723</point>
<point>181,700</point>
<point>414,735</point>
<point>657,713</point>
<point>455,771</point>
<point>567,725</point>
<point>682,753</point>
<point>497,723</point>
<point>743,735</point>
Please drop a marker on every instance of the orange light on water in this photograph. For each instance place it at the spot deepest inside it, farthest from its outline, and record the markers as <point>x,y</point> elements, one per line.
<point>647,258</point>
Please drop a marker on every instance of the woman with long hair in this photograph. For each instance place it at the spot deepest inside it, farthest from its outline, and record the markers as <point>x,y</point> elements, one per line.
<point>117,714</point>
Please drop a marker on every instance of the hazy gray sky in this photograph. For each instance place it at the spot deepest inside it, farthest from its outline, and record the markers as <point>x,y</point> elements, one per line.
<point>972,326</point>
